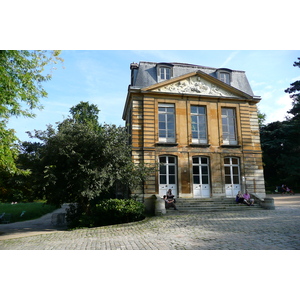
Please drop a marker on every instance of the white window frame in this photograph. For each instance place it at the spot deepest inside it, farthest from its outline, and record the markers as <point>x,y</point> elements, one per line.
<point>229,128</point>
<point>164,72</point>
<point>166,112</point>
<point>201,134</point>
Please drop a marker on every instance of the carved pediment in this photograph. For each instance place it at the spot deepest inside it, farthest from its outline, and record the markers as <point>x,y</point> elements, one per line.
<point>195,85</point>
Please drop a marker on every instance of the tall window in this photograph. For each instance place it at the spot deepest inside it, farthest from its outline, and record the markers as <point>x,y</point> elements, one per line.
<point>165,73</point>
<point>229,126</point>
<point>199,131</point>
<point>166,120</point>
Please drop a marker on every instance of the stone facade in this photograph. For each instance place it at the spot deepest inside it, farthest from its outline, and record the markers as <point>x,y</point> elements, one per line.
<point>201,132</point>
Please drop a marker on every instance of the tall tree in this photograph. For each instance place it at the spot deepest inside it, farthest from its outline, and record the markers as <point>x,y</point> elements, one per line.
<point>21,76</point>
<point>85,113</point>
<point>281,144</point>
<point>294,91</point>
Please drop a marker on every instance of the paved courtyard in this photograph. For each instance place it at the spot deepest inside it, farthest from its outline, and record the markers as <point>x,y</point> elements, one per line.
<point>277,229</point>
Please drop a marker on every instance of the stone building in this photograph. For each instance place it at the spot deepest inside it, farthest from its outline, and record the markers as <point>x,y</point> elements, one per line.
<point>199,125</point>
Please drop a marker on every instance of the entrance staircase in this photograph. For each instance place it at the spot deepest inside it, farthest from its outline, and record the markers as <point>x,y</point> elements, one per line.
<point>208,204</point>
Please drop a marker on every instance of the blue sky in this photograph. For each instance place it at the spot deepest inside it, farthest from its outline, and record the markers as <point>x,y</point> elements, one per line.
<point>102,77</point>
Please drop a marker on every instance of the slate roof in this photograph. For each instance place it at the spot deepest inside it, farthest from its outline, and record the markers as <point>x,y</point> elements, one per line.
<point>145,74</point>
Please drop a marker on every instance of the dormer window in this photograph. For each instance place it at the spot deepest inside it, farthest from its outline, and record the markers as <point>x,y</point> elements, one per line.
<point>164,72</point>
<point>224,75</point>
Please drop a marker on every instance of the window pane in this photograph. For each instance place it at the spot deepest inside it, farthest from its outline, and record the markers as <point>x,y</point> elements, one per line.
<point>204,160</point>
<point>196,179</point>
<point>162,125</point>
<point>163,160</point>
<point>171,160</point>
<point>205,179</point>
<point>227,180</point>
<point>227,160</point>
<point>195,160</point>
<point>201,110</point>
<point>171,169</point>
<point>195,169</point>
<point>235,161</point>
<point>236,180</point>
<point>162,179</point>
<point>194,109</point>
<point>235,170</point>
<point>172,179</point>
<point>163,169</point>
<point>167,73</point>
<point>171,134</point>
<point>162,133</point>
<point>204,170</point>
<point>227,170</point>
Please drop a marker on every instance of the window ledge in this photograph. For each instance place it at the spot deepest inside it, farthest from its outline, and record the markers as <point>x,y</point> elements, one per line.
<point>200,145</point>
<point>231,146</point>
<point>166,144</point>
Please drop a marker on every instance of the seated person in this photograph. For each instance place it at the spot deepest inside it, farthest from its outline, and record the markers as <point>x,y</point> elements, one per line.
<point>249,201</point>
<point>239,198</point>
<point>170,200</point>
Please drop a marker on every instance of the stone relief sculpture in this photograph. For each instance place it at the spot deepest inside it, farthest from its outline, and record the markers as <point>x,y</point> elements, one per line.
<point>195,85</point>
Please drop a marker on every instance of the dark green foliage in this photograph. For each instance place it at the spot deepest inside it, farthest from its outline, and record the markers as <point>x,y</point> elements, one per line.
<point>294,91</point>
<point>281,145</point>
<point>81,162</point>
<point>107,212</point>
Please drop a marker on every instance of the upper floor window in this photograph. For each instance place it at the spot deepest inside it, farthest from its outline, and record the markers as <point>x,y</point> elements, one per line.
<point>166,123</point>
<point>164,71</point>
<point>198,118</point>
<point>229,126</point>
<point>224,75</point>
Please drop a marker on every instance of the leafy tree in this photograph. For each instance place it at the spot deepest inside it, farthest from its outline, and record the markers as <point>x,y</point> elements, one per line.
<point>261,118</point>
<point>281,144</point>
<point>294,90</point>
<point>85,113</point>
<point>79,162</point>
<point>21,76</point>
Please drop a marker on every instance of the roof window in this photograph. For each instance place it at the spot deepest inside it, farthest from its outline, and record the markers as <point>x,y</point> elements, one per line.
<point>164,72</point>
<point>224,75</point>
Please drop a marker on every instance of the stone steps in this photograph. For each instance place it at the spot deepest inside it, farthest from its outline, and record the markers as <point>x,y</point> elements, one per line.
<point>196,205</point>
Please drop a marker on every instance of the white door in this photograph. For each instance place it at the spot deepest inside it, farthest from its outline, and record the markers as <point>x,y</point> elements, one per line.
<point>201,185</point>
<point>167,175</point>
<point>232,176</point>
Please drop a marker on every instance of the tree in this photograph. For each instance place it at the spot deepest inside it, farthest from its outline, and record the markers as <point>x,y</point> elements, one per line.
<point>21,76</point>
<point>281,144</point>
<point>294,90</point>
<point>80,161</point>
<point>85,113</point>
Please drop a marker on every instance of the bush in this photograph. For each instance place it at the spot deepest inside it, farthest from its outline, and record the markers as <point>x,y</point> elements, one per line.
<point>107,212</point>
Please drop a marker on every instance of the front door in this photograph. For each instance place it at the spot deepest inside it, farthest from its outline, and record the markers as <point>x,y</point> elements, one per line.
<point>167,175</point>
<point>201,186</point>
<point>232,176</point>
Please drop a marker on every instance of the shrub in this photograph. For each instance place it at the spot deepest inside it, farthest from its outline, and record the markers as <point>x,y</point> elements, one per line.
<point>107,212</point>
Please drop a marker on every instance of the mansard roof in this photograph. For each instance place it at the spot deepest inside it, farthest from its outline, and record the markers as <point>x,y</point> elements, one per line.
<point>144,74</point>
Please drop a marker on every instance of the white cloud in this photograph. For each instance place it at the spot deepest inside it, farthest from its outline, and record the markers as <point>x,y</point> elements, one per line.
<point>276,109</point>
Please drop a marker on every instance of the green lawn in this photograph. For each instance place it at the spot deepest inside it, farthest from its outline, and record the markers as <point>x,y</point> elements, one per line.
<point>32,210</point>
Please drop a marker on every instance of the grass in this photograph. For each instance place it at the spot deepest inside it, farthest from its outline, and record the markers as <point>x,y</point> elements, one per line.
<point>33,210</point>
